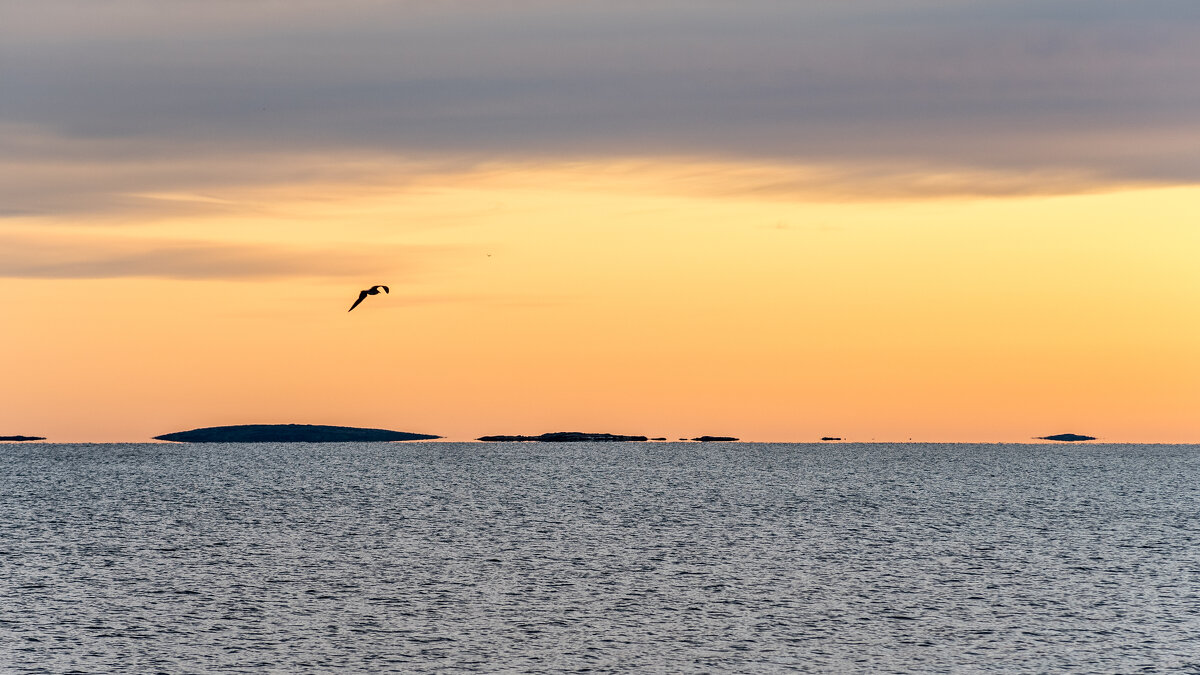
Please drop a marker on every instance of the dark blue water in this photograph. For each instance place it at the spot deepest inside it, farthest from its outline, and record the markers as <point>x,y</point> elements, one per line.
<point>606,557</point>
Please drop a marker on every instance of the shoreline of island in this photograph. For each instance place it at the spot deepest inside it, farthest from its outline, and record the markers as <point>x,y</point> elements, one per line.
<point>313,433</point>
<point>585,437</point>
<point>290,433</point>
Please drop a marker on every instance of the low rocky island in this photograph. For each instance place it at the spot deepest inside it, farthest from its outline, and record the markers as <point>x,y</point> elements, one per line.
<point>564,437</point>
<point>1070,438</point>
<point>831,438</point>
<point>714,439</point>
<point>22,438</point>
<point>289,433</point>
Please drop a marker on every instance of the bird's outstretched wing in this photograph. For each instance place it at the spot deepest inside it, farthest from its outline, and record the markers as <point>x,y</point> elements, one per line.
<point>361,296</point>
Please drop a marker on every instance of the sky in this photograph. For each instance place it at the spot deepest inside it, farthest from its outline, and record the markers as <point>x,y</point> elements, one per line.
<point>778,220</point>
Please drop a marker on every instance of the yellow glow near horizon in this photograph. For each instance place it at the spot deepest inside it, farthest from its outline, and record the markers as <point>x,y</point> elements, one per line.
<point>671,300</point>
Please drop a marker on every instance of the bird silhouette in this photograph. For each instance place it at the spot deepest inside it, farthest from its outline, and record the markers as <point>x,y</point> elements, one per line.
<point>362,295</point>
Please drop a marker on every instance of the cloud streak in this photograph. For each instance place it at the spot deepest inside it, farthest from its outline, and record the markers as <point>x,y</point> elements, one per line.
<point>31,256</point>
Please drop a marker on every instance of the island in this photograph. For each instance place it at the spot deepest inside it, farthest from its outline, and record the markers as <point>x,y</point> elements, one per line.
<point>712,439</point>
<point>1070,438</point>
<point>831,438</point>
<point>564,437</point>
<point>289,433</point>
<point>22,438</point>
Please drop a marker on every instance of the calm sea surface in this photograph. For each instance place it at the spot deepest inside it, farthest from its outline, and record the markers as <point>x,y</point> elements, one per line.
<point>605,557</point>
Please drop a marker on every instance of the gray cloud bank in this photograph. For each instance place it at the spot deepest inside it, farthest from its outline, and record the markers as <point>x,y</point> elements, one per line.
<point>1100,87</point>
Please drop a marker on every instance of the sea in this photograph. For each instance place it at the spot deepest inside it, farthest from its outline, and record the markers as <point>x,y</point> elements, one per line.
<point>599,557</point>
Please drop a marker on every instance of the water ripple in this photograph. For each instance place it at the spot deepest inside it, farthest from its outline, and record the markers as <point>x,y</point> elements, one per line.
<point>667,557</point>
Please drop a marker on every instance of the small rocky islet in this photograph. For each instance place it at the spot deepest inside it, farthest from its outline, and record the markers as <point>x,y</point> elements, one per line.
<point>582,437</point>
<point>22,438</point>
<point>564,437</point>
<point>1068,438</point>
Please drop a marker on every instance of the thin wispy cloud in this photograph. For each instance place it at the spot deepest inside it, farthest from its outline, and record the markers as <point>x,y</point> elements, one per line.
<point>33,256</point>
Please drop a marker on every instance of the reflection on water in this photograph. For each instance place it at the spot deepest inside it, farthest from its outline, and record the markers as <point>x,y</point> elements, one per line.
<point>671,557</point>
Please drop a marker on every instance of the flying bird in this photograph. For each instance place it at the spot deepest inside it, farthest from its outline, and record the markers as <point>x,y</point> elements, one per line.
<point>362,295</point>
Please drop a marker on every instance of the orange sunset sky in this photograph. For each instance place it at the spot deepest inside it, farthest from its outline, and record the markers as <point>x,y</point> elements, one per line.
<point>936,221</point>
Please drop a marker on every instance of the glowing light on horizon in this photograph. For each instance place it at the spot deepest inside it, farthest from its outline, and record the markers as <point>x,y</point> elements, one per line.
<point>648,298</point>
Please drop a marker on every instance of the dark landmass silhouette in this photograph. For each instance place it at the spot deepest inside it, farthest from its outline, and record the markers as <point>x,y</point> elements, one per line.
<point>831,438</point>
<point>711,439</point>
<point>564,437</point>
<point>1067,437</point>
<point>289,433</point>
<point>22,438</point>
<point>658,439</point>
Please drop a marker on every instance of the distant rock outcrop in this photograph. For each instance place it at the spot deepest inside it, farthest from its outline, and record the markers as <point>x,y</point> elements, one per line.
<point>831,438</point>
<point>564,437</point>
<point>710,439</point>
<point>1070,438</point>
<point>289,433</point>
<point>22,438</point>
